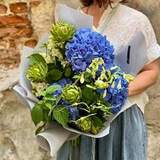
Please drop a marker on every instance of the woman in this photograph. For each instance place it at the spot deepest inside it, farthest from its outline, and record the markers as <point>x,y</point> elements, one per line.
<point>127,139</point>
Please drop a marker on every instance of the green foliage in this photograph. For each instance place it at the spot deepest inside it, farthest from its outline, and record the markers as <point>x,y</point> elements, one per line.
<point>67,72</point>
<point>37,114</point>
<point>51,89</point>
<point>61,32</point>
<point>97,124</point>
<point>61,115</point>
<point>88,95</point>
<point>103,107</point>
<point>54,75</point>
<point>41,110</point>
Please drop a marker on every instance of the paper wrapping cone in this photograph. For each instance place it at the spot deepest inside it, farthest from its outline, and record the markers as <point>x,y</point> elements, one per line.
<point>53,138</point>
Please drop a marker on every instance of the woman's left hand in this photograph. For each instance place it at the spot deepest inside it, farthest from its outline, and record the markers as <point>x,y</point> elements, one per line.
<point>146,78</point>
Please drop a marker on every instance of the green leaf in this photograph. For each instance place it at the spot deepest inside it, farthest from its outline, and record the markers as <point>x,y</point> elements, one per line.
<point>37,114</point>
<point>61,115</point>
<point>88,95</point>
<point>51,89</point>
<point>48,104</point>
<point>47,117</point>
<point>54,75</point>
<point>97,124</point>
<point>67,72</point>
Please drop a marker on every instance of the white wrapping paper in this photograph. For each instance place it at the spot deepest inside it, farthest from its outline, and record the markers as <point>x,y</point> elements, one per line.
<point>54,137</point>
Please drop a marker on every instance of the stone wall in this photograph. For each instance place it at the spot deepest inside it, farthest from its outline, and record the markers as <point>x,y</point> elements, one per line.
<point>22,22</point>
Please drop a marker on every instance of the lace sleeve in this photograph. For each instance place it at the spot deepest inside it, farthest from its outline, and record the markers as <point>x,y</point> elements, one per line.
<point>153,48</point>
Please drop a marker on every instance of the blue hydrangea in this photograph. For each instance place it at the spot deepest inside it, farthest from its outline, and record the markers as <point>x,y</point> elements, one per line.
<point>73,112</point>
<point>117,94</point>
<point>87,45</point>
<point>63,82</point>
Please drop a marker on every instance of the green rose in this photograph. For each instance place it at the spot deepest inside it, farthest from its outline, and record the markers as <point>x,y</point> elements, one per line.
<point>71,93</point>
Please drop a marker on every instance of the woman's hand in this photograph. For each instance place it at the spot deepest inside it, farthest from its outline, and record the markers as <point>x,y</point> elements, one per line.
<point>146,78</point>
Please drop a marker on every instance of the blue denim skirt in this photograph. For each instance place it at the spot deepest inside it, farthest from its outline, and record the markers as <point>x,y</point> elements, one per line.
<point>127,141</point>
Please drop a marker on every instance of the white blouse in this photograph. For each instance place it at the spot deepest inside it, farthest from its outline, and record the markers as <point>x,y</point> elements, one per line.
<point>120,23</point>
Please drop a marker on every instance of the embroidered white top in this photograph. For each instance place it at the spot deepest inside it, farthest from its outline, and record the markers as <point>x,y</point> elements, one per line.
<point>119,24</point>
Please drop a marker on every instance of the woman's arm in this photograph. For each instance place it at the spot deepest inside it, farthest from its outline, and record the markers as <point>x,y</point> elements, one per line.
<point>146,78</point>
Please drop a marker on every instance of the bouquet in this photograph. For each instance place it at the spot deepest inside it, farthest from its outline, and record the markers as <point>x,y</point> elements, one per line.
<point>75,80</point>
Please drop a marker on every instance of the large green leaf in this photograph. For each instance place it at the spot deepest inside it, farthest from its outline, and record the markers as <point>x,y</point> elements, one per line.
<point>37,114</point>
<point>88,95</point>
<point>51,89</point>
<point>61,115</point>
<point>54,75</point>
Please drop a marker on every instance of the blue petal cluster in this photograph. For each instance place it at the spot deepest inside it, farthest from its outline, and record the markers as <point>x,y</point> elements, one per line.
<point>87,45</point>
<point>117,94</point>
<point>73,113</point>
<point>63,82</point>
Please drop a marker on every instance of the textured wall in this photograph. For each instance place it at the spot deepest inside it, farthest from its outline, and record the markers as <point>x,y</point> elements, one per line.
<point>17,141</point>
<point>21,23</point>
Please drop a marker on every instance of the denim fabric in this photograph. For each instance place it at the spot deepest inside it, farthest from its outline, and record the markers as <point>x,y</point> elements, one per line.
<point>127,141</point>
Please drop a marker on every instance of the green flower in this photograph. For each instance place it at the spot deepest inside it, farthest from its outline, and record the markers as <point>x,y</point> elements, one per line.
<point>38,68</point>
<point>61,32</point>
<point>71,93</point>
<point>84,124</point>
<point>37,73</point>
<point>101,84</point>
